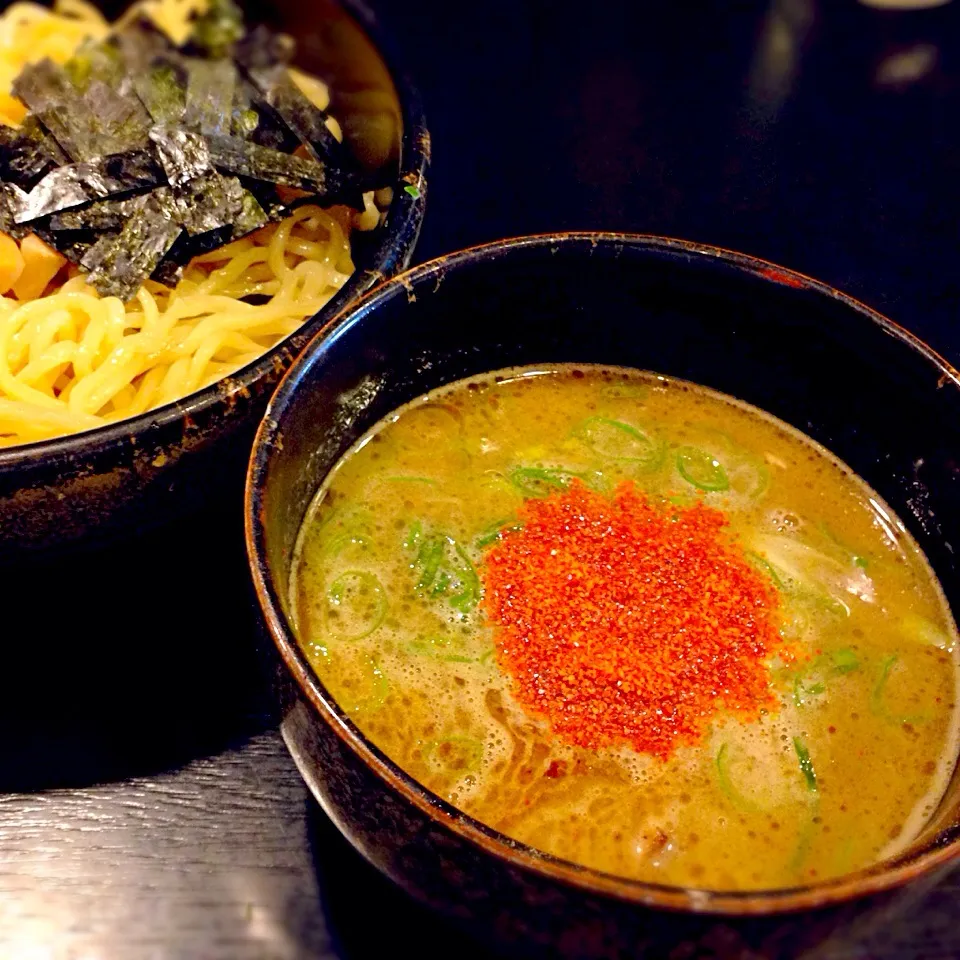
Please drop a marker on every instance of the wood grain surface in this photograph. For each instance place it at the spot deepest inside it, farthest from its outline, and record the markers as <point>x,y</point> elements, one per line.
<point>227,858</point>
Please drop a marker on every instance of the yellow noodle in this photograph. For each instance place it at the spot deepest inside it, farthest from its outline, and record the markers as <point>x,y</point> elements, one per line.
<point>73,360</point>
<point>146,390</point>
<point>40,421</point>
<point>57,356</point>
<point>98,358</point>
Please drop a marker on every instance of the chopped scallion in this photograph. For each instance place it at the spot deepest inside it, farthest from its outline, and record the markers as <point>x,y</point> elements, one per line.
<point>702,469</point>
<point>617,440</point>
<point>806,764</point>
<point>361,596</point>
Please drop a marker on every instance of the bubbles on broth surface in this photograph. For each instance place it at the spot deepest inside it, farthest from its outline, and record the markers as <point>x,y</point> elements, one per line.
<point>388,589</point>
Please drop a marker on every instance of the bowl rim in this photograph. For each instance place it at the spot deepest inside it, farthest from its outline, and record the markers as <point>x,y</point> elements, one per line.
<point>396,243</point>
<point>872,880</point>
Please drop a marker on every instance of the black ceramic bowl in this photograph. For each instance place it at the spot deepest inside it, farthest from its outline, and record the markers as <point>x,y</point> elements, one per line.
<point>851,379</point>
<point>140,472</point>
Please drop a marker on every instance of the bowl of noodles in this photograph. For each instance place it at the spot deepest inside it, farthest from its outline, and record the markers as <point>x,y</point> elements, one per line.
<point>188,193</point>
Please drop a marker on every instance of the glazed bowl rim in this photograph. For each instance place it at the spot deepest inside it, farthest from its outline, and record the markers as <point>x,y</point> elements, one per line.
<point>398,238</point>
<point>871,880</point>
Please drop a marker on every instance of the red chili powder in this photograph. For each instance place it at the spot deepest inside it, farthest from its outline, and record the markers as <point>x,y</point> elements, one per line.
<point>623,621</point>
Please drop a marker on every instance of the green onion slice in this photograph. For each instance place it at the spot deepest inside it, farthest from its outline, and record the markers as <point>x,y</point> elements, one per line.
<point>360,598</point>
<point>541,481</point>
<point>445,569</point>
<point>702,469</point>
<point>812,681</point>
<point>727,787</point>
<point>493,532</point>
<point>617,440</point>
<point>806,764</point>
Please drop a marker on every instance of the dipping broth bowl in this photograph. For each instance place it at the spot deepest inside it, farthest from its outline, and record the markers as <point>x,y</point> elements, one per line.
<point>854,381</point>
<point>105,483</point>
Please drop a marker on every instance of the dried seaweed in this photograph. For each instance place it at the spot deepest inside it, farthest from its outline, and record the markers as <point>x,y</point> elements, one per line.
<point>162,90</point>
<point>214,201</point>
<point>216,209</point>
<point>183,155</point>
<point>207,203</point>
<point>257,121</point>
<point>74,245</point>
<point>118,264</point>
<point>87,125</point>
<point>169,270</point>
<point>27,154</point>
<point>251,217</point>
<point>209,102</point>
<point>46,89</point>
<point>237,157</point>
<point>80,183</point>
<point>105,216</point>
<point>11,201</point>
<point>308,123</point>
<point>136,156</point>
<point>268,199</point>
<point>300,114</point>
<point>94,61</point>
<point>120,123</point>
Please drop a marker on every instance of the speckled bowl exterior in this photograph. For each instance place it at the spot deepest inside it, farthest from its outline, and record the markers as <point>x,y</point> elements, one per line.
<point>853,380</point>
<point>115,481</point>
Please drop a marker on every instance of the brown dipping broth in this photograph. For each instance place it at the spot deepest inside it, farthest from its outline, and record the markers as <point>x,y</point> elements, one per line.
<point>386,589</point>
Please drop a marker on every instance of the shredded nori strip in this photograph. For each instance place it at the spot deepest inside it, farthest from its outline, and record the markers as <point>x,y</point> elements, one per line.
<point>121,122</point>
<point>269,200</point>
<point>95,61</point>
<point>12,199</point>
<point>210,90</point>
<point>106,217</point>
<point>308,123</point>
<point>79,183</point>
<point>252,216</point>
<point>209,202</point>
<point>182,154</point>
<point>86,125</point>
<point>73,245</point>
<point>119,264</point>
<point>255,120</point>
<point>162,90</point>
<point>27,154</point>
<point>293,106</point>
<point>46,89</point>
<point>137,156</point>
<point>170,269</point>
<point>235,156</point>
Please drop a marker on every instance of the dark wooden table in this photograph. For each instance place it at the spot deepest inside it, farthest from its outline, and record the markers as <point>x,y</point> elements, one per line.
<point>149,808</point>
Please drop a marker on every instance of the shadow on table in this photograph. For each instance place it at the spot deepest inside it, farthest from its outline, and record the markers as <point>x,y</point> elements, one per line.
<point>367,915</point>
<point>129,660</point>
